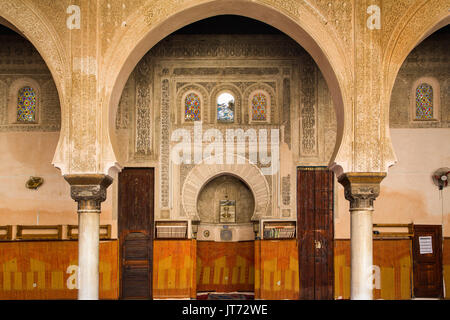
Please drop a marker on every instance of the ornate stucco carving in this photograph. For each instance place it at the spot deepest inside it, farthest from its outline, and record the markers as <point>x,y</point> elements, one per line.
<point>164,145</point>
<point>143,113</point>
<point>308,108</point>
<point>361,189</point>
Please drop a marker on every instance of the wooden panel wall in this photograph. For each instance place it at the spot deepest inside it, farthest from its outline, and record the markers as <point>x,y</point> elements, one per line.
<point>174,265</point>
<point>446,267</point>
<point>225,266</point>
<point>394,259</point>
<point>38,269</point>
<point>276,269</point>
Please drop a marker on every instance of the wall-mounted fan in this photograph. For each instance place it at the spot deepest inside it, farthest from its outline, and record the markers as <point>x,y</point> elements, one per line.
<point>441,177</point>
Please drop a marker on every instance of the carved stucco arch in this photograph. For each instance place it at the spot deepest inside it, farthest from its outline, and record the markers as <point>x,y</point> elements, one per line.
<point>301,21</point>
<point>417,23</point>
<point>26,19</point>
<point>203,173</point>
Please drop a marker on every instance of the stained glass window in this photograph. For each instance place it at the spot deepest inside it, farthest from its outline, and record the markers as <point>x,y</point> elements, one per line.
<point>259,107</point>
<point>424,102</point>
<point>192,107</point>
<point>26,105</point>
<point>225,107</point>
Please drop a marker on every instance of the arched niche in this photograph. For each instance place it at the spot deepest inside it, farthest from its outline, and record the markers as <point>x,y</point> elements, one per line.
<point>203,173</point>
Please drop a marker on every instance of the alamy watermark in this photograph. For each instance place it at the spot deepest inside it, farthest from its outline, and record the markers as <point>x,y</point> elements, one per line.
<point>210,146</point>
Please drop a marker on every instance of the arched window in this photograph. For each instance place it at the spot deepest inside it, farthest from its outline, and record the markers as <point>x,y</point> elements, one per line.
<point>259,107</point>
<point>26,105</point>
<point>192,107</point>
<point>225,107</point>
<point>424,102</point>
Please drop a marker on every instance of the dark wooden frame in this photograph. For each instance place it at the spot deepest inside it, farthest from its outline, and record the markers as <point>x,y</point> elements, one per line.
<point>102,236</point>
<point>39,236</point>
<point>8,235</point>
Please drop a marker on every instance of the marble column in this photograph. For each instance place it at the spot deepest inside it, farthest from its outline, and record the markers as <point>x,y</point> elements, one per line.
<point>361,189</point>
<point>89,191</point>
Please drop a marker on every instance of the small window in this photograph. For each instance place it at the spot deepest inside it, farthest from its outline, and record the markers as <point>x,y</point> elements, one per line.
<point>259,107</point>
<point>192,107</point>
<point>26,105</point>
<point>424,102</point>
<point>225,107</point>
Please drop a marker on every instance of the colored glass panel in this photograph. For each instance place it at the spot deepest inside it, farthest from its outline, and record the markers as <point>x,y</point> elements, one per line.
<point>424,102</point>
<point>225,108</point>
<point>192,107</point>
<point>26,105</point>
<point>259,107</point>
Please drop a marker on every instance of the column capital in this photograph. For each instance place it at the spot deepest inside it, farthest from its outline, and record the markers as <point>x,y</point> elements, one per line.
<point>361,188</point>
<point>89,190</point>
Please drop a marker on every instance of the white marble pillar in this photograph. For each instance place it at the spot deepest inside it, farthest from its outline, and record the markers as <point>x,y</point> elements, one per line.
<point>361,189</point>
<point>88,253</point>
<point>89,191</point>
<point>361,255</point>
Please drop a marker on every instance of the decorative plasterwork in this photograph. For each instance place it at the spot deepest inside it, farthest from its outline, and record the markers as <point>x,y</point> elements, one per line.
<point>202,173</point>
<point>144,122</point>
<point>308,109</point>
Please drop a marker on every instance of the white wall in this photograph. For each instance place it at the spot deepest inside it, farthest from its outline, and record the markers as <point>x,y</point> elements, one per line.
<point>408,193</point>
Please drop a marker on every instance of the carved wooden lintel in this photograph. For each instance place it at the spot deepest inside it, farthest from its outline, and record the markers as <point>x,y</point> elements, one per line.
<point>361,188</point>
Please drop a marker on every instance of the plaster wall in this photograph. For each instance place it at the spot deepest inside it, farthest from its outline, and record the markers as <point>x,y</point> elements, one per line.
<point>30,154</point>
<point>408,193</point>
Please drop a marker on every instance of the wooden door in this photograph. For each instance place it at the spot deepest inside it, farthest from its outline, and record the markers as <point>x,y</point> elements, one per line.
<point>315,233</point>
<point>136,206</point>
<point>427,261</point>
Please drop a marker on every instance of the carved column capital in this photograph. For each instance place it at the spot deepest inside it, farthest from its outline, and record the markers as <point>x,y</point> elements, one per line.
<point>88,190</point>
<point>361,188</point>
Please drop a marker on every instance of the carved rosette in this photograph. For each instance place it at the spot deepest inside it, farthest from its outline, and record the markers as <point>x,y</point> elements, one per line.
<point>361,189</point>
<point>88,190</point>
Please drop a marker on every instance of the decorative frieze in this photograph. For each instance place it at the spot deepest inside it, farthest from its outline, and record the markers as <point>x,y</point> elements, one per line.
<point>164,145</point>
<point>225,46</point>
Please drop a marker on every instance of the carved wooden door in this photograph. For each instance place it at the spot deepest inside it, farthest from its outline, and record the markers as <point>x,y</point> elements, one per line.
<point>315,233</point>
<point>427,261</point>
<point>136,206</point>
